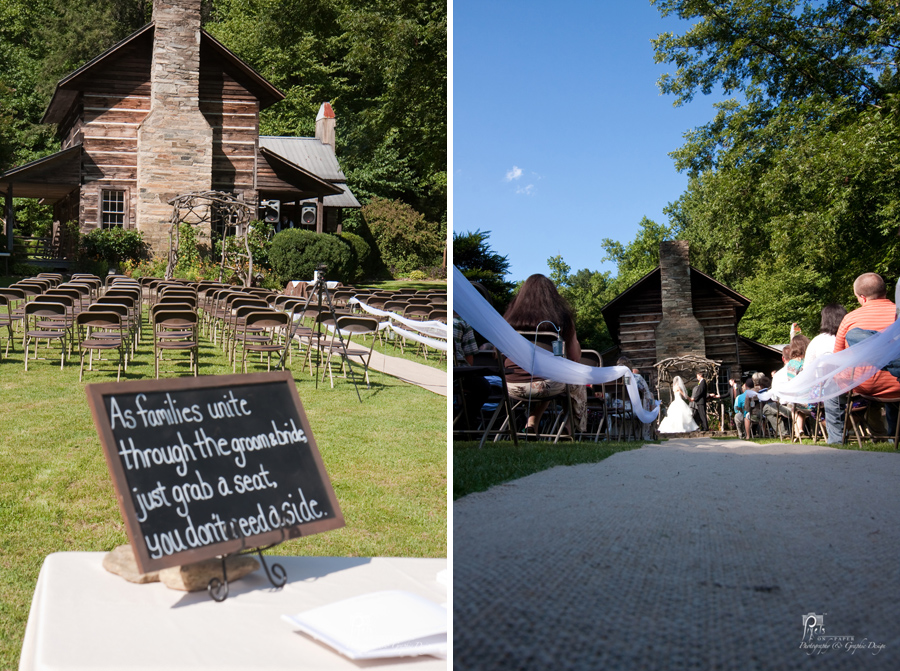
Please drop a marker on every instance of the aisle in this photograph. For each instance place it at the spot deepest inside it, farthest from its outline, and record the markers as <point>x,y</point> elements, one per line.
<point>429,378</point>
<point>694,553</point>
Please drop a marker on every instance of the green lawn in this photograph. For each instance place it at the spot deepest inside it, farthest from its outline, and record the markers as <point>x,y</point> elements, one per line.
<point>851,444</point>
<point>393,285</point>
<point>386,458</point>
<point>477,470</point>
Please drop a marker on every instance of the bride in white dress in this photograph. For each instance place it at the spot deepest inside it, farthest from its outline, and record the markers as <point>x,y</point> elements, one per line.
<point>679,417</point>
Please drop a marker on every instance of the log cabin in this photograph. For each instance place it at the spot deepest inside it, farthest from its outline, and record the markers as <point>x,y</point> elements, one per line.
<point>169,110</point>
<point>675,310</point>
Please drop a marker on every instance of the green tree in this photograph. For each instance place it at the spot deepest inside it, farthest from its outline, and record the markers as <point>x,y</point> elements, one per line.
<point>473,255</point>
<point>638,257</point>
<point>793,188</point>
<point>406,241</point>
<point>381,64</point>
<point>586,291</point>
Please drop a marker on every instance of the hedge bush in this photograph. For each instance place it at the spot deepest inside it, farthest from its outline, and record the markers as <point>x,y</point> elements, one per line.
<point>362,255</point>
<point>295,254</point>
<point>113,245</point>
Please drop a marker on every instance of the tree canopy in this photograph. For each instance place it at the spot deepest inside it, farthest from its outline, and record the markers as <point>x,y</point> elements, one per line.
<point>793,187</point>
<point>473,255</point>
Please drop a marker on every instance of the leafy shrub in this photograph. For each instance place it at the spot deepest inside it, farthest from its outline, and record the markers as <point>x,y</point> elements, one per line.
<point>405,240</point>
<point>24,270</point>
<point>155,267</point>
<point>113,245</point>
<point>362,255</point>
<point>417,275</point>
<point>295,254</point>
<point>260,239</point>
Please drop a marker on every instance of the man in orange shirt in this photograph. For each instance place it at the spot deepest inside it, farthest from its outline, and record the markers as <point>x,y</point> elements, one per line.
<point>876,313</point>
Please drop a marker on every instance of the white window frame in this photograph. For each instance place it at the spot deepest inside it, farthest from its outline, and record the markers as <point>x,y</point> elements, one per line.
<point>103,212</point>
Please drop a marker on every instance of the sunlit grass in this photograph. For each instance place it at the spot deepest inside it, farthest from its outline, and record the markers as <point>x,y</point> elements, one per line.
<point>851,444</point>
<point>476,470</point>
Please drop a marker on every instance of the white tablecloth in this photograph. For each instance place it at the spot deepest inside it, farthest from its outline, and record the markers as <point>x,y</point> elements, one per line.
<point>83,617</point>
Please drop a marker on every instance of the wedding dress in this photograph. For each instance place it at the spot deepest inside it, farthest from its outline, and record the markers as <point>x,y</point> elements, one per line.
<point>679,417</point>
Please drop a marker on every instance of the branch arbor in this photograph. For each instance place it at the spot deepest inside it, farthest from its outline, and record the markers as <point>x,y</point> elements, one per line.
<point>230,213</point>
<point>686,367</point>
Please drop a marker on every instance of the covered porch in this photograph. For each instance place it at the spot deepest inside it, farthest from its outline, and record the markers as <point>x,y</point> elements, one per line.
<point>54,179</point>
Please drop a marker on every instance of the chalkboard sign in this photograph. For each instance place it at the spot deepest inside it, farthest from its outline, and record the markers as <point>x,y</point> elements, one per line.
<point>198,462</point>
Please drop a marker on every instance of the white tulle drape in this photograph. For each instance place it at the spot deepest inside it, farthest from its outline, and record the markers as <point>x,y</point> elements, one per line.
<point>478,313</point>
<point>838,373</point>
<point>834,374</point>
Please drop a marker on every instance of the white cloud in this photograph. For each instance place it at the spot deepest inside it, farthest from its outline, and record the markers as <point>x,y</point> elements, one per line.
<point>527,190</point>
<point>514,174</point>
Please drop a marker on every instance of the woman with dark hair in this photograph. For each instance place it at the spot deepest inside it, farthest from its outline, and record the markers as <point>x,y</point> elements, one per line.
<point>535,307</point>
<point>832,314</point>
<point>823,345</point>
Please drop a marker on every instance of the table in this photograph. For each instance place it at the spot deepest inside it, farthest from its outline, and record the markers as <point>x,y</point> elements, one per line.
<point>83,617</point>
<point>298,287</point>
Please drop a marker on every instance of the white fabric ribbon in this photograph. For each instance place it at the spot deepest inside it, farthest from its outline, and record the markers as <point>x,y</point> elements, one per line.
<point>411,335</point>
<point>838,373</point>
<point>477,312</point>
<point>432,328</point>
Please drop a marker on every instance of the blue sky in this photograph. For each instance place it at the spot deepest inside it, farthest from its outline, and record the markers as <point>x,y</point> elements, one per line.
<point>560,135</point>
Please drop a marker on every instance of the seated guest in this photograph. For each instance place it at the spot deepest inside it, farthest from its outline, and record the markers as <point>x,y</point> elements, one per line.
<point>876,313</point>
<point>823,345</point>
<point>475,388</point>
<point>643,390</point>
<point>535,307</point>
<point>797,354</point>
<point>742,409</point>
<point>774,410</point>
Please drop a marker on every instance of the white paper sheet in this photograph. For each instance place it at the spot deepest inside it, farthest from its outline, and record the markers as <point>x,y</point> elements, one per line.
<point>378,625</point>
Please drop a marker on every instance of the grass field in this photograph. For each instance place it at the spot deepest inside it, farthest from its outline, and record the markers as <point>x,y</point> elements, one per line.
<point>386,458</point>
<point>477,470</point>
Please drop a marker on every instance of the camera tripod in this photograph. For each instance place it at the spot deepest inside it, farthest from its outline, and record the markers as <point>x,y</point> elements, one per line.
<point>319,288</point>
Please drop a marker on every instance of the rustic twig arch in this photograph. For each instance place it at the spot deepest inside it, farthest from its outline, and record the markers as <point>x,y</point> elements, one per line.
<point>687,367</point>
<point>197,208</point>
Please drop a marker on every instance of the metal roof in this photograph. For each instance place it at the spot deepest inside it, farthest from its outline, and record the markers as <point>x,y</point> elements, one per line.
<point>307,152</point>
<point>298,176</point>
<point>346,199</point>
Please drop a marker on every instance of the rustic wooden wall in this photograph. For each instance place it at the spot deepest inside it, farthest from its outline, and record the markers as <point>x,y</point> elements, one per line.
<point>113,104</point>
<point>233,113</point>
<point>714,309</point>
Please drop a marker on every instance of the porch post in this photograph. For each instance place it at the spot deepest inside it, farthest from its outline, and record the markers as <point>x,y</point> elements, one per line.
<point>10,218</point>
<point>320,214</point>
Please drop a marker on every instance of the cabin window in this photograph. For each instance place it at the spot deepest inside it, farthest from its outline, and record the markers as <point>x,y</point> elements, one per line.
<point>112,208</point>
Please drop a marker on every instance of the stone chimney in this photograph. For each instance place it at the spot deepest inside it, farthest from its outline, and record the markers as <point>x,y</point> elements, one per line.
<point>325,123</point>
<point>679,333</point>
<point>175,142</point>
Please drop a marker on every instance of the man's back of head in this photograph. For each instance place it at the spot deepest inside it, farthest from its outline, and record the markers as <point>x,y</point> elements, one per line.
<point>870,286</point>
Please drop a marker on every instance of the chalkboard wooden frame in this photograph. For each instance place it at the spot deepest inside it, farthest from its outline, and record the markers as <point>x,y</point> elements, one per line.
<point>282,402</point>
